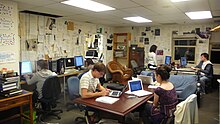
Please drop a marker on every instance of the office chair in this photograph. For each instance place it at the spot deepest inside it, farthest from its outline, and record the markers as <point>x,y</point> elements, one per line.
<point>50,92</point>
<point>136,69</point>
<point>73,88</point>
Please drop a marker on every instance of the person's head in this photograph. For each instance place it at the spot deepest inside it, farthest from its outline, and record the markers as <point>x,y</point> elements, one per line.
<point>42,64</point>
<point>162,73</point>
<point>98,70</point>
<point>204,56</point>
<point>153,48</point>
<point>89,63</point>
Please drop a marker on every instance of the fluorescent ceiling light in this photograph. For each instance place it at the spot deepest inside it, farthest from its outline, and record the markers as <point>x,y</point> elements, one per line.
<point>199,15</point>
<point>174,1</point>
<point>137,19</point>
<point>89,5</point>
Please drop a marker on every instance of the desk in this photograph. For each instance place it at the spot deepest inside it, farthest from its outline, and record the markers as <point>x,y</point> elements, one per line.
<point>185,71</point>
<point>121,107</point>
<point>16,101</point>
<point>64,81</point>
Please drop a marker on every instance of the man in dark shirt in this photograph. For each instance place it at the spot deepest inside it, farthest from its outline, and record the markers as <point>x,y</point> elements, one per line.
<point>205,68</point>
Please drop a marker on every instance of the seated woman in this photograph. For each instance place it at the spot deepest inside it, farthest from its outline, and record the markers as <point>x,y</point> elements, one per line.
<point>165,99</point>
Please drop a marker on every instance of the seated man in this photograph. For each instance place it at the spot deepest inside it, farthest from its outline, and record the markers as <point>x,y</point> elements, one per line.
<point>89,82</point>
<point>206,69</point>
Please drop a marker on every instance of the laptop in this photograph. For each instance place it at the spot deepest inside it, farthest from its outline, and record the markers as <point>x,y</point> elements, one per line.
<point>145,79</point>
<point>136,88</point>
<point>116,93</point>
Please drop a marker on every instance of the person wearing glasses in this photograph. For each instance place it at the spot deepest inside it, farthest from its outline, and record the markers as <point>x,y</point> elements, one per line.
<point>89,82</point>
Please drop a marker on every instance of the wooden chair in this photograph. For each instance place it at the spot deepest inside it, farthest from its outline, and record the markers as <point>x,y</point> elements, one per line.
<point>119,73</point>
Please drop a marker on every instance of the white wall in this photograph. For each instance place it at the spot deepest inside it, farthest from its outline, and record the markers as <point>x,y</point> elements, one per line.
<point>164,41</point>
<point>13,20</point>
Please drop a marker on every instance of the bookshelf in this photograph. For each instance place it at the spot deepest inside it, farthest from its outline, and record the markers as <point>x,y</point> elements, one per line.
<point>121,43</point>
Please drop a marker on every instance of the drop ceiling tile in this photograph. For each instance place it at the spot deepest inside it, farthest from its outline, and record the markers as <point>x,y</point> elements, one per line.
<point>216,13</point>
<point>164,9</point>
<point>48,11</point>
<point>193,5</point>
<point>151,2</point>
<point>70,10</point>
<point>214,4</point>
<point>35,2</point>
<point>118,4</point>
<point>139,11</point>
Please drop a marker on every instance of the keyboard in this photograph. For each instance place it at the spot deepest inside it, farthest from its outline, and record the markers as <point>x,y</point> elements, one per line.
<point>141,93</point>
<point>70,71</point>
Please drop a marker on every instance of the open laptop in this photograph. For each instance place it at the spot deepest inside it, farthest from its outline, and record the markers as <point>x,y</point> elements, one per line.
<point>145,79</point>
<point>136,88</point>
<point>116,93</point>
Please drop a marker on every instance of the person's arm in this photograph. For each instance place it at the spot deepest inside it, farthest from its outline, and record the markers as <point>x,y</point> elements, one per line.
<point>31,80</point>
<point>86,94</point>
<point>156,99</point>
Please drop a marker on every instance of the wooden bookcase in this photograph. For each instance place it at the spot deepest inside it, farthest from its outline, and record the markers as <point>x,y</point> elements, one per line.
<point>121,44</point>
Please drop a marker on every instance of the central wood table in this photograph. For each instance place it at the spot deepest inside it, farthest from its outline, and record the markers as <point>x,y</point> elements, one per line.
<point>121,107</point>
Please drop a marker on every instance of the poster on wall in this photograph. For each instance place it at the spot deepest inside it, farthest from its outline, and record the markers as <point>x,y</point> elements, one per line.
<point>6,10</point>
<point>6,56</point>
<point>7,39</point>
<point>6,23</point>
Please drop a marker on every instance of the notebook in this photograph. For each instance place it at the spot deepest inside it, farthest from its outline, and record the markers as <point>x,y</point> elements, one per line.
<point>136,88</point>
<point>145,79</point>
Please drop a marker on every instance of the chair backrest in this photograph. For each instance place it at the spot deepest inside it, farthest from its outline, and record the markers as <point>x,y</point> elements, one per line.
<point>113,65</point>
<point>51,88</point>
<point>134,64</point>
<point>73,87</point>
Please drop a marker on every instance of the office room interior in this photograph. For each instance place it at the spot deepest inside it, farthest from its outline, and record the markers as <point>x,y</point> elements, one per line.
<point>31,30</point>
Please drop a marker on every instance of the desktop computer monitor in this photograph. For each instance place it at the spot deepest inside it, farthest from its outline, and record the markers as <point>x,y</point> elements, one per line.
<point>168,60</point>
<point>91,54</point>
<point>78,61</point>
<point>183,62</point>
<point>25,67</point>
<point>69,62</point>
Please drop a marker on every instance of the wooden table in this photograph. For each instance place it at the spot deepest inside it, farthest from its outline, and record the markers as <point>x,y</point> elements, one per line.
<point>17,101</point>
<point>121,107</point>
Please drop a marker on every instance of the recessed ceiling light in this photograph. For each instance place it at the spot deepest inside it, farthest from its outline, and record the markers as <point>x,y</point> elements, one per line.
<point>138,19</point>
<point>178,0</point>
<point>199,15</point>
<point>89,5</point>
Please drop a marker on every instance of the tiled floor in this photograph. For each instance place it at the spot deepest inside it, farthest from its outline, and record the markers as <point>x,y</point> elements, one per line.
<point>208,112</point>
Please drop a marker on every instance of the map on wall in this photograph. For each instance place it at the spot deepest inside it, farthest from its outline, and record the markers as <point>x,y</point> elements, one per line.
<point>7,39</point>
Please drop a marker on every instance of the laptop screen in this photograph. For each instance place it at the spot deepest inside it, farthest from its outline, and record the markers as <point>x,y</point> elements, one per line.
<point>135,85</point>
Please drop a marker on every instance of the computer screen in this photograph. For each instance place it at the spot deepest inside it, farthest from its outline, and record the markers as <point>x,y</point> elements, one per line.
<point>135,85</point>
<point>69,62</point>
<point>168,60</point>
<point>25,67</point>
<point>78,61</point>
<point>183,61</point>
<point>91,54</point>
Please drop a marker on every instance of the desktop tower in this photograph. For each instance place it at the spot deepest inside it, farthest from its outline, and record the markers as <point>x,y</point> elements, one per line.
<point>57,66</point>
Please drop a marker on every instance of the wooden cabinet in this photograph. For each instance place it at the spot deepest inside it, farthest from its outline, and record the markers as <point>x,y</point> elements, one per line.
<point>137,54</point>
<point>121,45</point>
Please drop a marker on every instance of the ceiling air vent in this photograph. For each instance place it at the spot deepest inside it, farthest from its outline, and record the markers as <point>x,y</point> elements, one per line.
<point>40,13</point>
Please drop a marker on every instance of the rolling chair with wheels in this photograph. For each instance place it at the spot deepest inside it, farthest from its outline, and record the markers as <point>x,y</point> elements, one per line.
<point>73,88</point>
<point>136,69</point>
<point>50,92</point>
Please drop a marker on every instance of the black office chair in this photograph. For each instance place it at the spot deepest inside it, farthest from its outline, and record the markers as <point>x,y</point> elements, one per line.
<point>136,69</point>
<point>50,92</point>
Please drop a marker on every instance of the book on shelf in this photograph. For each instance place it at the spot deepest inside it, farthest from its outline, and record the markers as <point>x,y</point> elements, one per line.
<point>6,85</point>
<point>11,93</point>
<point>7,88</point>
